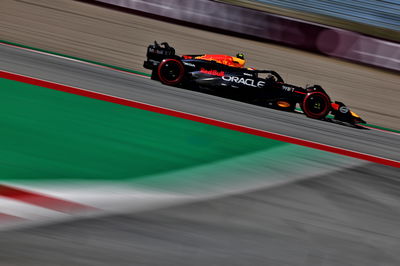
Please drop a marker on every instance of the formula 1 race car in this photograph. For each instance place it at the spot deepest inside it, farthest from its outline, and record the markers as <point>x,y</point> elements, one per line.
<point>224,78</point>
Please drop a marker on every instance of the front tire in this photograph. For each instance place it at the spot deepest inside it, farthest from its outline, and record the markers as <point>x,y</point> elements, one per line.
<point>171,72</point>
<point>316,105</point>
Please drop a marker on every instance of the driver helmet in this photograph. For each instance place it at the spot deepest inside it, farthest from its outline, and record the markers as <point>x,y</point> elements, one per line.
<point>240,56</point>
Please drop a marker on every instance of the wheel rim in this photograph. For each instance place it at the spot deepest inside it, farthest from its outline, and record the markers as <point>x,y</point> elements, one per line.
<point>316,105</point>
<point>171,72</point>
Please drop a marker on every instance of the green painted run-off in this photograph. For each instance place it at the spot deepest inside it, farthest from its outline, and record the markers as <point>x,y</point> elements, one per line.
<point>51,135</point>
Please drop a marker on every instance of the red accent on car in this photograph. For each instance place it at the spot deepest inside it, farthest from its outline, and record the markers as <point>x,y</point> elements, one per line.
<point>335,106</point>
<point>187,57</point>
<point>213,72</point>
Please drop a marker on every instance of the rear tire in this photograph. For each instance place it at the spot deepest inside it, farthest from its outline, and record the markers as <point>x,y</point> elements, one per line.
<point>316,105</point>
<point>171,72</point>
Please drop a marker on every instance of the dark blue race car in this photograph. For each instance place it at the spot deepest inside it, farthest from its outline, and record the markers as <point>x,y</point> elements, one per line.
<point>220,75</point>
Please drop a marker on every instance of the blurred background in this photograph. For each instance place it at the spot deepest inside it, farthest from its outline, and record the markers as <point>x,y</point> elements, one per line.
<point>371,17</point>
<point>251,207</point>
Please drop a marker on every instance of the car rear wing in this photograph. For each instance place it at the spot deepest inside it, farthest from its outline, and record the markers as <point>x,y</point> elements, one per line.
<point>156,53</point>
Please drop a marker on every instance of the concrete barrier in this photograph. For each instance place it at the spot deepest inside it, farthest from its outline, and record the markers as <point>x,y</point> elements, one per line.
<point>296,33</point>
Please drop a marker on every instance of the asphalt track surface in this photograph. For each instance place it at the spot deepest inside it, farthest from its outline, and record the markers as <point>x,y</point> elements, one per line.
<point>348,217</point>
